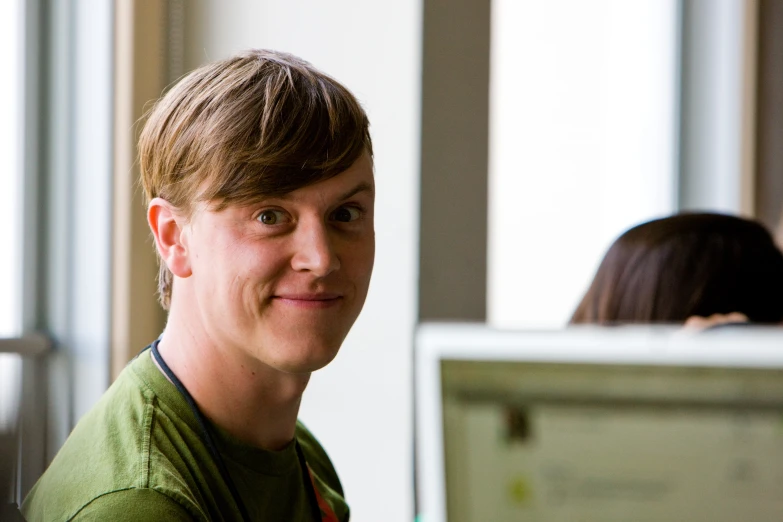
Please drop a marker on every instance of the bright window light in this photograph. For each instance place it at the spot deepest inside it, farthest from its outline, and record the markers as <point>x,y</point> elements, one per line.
<point>10,169</point>
<point>582,144</point>
<point>10,372</point>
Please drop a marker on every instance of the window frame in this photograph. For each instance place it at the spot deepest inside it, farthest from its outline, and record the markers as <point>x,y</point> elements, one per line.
<point>67,179</point>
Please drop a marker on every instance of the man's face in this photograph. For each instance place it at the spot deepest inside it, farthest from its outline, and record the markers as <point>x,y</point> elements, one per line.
<point>285,279</point>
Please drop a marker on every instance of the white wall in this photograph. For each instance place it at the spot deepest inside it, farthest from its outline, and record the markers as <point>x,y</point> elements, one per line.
<point>583,135</point>
<point>359,406</point>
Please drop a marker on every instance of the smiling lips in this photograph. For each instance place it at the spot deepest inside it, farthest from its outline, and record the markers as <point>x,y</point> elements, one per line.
<point>310,301</point>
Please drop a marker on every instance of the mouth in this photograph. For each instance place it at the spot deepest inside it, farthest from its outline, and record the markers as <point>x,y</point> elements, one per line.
<point>309,301</point>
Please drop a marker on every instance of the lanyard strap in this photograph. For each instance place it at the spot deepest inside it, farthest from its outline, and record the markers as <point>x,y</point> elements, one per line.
<point>318,505</point>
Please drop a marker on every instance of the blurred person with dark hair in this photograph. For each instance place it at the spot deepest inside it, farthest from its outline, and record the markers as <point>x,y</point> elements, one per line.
<point>258,176</point>
<point>685,267</point>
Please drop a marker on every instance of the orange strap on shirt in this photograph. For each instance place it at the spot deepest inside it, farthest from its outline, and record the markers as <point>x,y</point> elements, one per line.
<point>327,513</point>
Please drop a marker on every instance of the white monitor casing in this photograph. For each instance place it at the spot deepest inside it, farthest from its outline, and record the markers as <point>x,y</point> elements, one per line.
<point>741,347</point>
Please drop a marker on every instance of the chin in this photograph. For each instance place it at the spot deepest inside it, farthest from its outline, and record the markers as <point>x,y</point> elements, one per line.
<point>308,365</point>
<point>307,357</point>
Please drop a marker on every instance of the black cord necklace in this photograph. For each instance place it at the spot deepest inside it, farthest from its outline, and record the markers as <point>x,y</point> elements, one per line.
<point>210,442</point>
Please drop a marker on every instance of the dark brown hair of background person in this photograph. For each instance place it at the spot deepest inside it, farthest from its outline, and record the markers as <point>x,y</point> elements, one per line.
<point>669,269</point>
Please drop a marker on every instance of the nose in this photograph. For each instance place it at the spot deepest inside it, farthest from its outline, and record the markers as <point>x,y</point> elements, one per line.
<point>314,251</point>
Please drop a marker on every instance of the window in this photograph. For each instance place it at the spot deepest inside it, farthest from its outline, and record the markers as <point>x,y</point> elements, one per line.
<point>11,169</point>
<point>583,139</point>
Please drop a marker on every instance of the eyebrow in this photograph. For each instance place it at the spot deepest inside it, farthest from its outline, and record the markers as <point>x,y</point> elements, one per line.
<point>361,187</point>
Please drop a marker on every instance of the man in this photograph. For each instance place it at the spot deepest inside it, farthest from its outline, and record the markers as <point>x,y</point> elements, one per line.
<point>259,179</point>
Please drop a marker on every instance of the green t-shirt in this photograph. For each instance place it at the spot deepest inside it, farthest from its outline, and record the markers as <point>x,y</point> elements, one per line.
<point>138,456</point>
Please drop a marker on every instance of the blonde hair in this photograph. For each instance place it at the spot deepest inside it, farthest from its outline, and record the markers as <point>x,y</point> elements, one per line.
<point>259,124</point>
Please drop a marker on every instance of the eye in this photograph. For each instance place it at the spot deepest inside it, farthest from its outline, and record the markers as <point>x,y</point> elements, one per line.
<point>272,217</point>
<point>346,214</point>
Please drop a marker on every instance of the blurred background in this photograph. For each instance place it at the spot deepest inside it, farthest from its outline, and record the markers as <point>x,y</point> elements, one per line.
<point>514,140</point>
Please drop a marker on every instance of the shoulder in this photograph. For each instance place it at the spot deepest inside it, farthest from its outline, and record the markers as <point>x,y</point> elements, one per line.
<point>103,453</point>
<point>135,505</point>
<point>119,450</point>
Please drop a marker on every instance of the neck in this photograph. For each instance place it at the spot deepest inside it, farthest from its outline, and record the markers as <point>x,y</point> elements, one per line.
<point>251,401</point>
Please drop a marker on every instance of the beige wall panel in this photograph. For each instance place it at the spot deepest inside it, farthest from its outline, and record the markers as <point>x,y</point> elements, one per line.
<point>140,78</point>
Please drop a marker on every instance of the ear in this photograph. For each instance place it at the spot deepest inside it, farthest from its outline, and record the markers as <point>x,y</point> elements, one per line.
<point>168,227</point>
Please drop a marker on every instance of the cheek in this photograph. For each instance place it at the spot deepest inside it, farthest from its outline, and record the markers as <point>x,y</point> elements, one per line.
<point>361,258</point>
<point>224,266</point>
<point>252,269</point>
